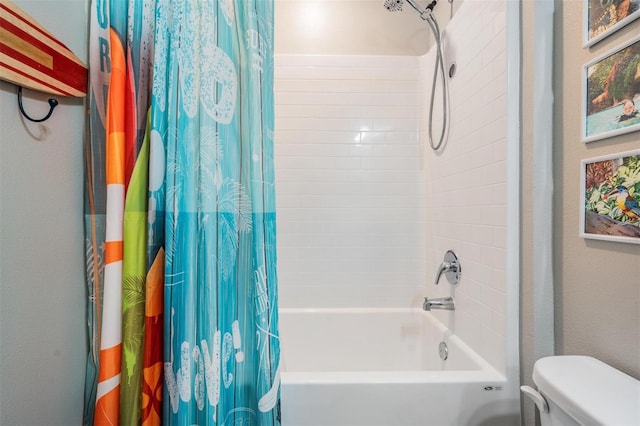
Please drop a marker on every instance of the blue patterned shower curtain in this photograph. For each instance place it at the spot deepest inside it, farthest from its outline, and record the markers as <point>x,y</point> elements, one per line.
<point>211,216</point>
<point>212,120</point>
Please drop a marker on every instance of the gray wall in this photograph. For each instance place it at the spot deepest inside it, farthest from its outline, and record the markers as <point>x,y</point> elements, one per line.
<point>597,283</point>
<point>42,290</point>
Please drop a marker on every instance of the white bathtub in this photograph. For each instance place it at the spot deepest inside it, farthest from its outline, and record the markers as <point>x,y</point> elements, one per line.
<point>381,367</point>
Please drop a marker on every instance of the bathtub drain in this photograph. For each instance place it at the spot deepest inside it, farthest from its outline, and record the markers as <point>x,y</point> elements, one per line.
<point>443,350</point>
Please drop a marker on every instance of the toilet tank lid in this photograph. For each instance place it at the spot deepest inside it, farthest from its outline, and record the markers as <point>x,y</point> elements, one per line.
<point>590,391</point>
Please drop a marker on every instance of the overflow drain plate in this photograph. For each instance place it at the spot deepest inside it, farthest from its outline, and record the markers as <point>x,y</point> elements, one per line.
<point>443,350</point>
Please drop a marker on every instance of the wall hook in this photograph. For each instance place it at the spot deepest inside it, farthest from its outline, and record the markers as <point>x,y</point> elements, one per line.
<point>52,104</point>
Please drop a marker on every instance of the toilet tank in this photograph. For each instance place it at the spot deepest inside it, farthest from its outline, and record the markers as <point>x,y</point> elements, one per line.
<point>588,390</point>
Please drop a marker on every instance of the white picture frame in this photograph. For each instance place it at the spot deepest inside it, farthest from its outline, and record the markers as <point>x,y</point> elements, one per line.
<point>604,95</point>
<point>604,17</point>
<point>601,217</point>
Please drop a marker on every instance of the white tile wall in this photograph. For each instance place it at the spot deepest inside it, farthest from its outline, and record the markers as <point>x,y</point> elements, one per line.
<point>350,183</point>
<point>466,192</point>
<point>353,175</point>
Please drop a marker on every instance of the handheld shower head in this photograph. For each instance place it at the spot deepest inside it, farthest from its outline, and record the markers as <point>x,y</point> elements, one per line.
<point>427,15</point>
<point>393,5</point>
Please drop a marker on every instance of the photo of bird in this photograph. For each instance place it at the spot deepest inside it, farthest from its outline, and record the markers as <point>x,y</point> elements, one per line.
<point>626,202</point>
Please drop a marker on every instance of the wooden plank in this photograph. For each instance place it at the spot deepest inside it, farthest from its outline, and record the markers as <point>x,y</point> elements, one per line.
<point>32,57</point>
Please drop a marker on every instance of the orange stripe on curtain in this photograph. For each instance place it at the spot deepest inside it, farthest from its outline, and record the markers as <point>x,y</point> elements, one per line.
<point>110,358</point>
<point>113,251</point>
<point>109,403</point>
<point>116,113</point>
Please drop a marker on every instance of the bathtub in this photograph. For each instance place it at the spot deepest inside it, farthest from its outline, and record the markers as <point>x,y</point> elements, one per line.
<point>382,367</point>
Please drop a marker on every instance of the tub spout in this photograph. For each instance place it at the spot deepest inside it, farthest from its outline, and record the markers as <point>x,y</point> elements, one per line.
<point>442,303</point>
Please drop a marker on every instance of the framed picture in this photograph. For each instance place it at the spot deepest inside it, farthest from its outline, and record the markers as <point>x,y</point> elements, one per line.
<point>610,197</point>
<point>611,93</point>
<point>604,17</point>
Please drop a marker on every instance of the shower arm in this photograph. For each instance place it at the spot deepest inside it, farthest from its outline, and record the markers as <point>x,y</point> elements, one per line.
<point>424,14</point>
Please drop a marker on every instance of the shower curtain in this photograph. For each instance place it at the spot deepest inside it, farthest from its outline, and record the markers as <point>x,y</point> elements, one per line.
<point>180,214</point>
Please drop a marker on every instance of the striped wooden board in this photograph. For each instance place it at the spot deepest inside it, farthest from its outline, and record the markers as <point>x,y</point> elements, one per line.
<point>32,57</point>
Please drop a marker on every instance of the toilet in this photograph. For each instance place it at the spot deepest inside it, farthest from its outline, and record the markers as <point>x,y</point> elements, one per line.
<point>581,390</point>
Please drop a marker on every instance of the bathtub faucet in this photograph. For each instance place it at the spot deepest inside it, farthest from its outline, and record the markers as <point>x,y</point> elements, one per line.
<point>442,303</point>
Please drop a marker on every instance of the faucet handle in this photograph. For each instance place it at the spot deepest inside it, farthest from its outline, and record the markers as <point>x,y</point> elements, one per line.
<point>450,267</point>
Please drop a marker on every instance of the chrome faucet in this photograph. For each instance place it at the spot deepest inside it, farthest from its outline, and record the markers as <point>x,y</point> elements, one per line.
<point>446,303</point>
<point>450,267</point>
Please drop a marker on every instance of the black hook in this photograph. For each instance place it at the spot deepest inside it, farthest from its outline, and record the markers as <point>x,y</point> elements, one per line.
<point>52,103</point>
